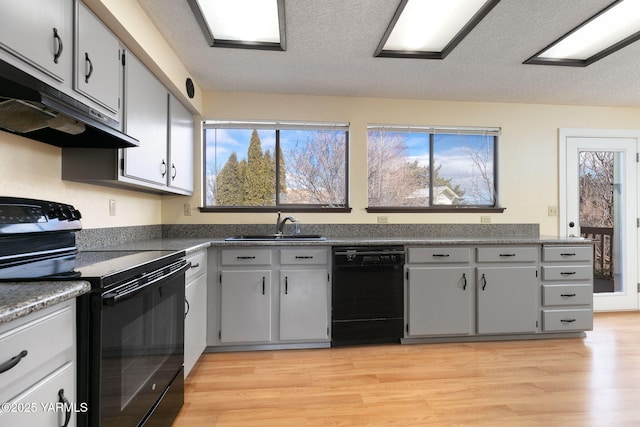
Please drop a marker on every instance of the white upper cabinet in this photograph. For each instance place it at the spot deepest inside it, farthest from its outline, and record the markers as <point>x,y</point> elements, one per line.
<point>98,66</point>
<point>40,33</point>
<point>146,103</point>
<point>181,152</point>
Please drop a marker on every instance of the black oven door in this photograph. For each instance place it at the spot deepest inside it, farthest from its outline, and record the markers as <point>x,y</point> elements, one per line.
<point>142,347</point>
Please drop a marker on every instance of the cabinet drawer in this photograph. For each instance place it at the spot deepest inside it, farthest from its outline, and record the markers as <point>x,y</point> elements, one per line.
<point>439,255</point>
<point>567,294</point>
<point>567,320</point>
<point>567,272</point>
<point>198,262</point>
<point>41,339</point>
<point>508,254</point>
<point>303,256</point>
<point>567,253</point>
<point>35,406</point>
<point>246,257</point>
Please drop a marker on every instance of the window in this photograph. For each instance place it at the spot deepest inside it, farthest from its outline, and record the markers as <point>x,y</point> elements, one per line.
<point>425,168</point>
<point>271,166</point>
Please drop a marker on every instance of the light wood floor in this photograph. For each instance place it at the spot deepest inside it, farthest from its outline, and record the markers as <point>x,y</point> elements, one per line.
<point>593,381</point>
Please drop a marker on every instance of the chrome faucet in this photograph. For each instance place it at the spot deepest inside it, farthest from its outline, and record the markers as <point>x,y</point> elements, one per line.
<point>280,223</point>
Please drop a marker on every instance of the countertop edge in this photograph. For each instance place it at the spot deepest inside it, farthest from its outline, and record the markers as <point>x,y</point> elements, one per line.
<point>19,299</point>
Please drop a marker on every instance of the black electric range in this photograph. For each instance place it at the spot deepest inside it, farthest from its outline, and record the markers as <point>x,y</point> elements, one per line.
<point>130,327</point>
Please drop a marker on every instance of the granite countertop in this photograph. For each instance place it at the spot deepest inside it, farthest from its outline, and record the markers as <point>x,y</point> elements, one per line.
<point>19,299</point>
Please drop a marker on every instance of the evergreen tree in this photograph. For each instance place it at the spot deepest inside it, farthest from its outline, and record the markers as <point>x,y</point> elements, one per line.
<point>227,183</point>
<point>256,178</point>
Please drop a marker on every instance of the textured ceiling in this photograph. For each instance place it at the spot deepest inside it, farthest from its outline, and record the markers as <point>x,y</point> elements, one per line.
<point>330,46</point>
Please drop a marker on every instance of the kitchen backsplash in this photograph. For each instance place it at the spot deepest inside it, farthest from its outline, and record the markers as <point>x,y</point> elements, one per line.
<point>92,238</point>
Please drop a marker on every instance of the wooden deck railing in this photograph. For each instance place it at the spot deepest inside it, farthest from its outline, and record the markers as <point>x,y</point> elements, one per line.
<point>602,249</point>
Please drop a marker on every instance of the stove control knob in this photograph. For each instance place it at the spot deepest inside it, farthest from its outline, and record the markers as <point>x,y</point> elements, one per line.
<point>75,214</point>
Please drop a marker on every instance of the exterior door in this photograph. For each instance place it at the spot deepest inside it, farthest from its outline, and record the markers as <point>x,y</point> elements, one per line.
<point>599,201</point>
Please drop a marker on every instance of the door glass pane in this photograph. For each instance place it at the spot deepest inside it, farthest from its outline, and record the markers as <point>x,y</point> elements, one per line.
<point>600,200</point>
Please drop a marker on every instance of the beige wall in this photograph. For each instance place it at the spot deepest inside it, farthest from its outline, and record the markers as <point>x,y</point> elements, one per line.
<point>528,151</point>
<point>32,169</point>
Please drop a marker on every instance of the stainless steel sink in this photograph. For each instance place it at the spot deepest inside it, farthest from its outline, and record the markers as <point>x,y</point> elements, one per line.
<point>277,237</point>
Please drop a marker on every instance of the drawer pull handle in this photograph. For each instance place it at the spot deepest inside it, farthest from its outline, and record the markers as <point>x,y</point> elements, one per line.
<point>441,255</point>
<point>568,254</point>
<point>65,402</point>
<point>568,320</point>
<point>195,265</point>
<point>245,257</point>
<point>567,273</point>
<point>507,255</point>
<point>13,361</point>
<point>304,257</point>
<point>567,295</point>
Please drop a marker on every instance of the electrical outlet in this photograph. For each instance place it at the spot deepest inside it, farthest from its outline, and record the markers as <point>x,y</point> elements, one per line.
<point>485,219</point>
<point>383,219</point>
<point>552,210</point>
<point>187,209</point>
<point>112,207</point>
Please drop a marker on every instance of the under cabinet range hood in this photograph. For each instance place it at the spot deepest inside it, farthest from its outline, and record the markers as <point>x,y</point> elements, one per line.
<point>35,110</point>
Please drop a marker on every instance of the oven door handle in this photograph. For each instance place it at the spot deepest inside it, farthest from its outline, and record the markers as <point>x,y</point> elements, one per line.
<point>130,289</point>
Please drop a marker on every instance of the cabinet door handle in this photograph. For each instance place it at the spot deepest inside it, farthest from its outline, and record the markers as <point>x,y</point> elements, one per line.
<point>195,265</point>
<point>13,361</point>
<point>88,62</point>
<point>286,285</point>
<point>567,320</point>
<point>60,48</point>
<point>568,254</point>
<point>567,273</point>
<point>175,171</point>
<point>567,295</point>
<point>163,170</point>
<point>484,282</point>
<point>67,407</point>
<point>507,255</point>
<point>464,281</point>
<point>245,257</point>
<point>263,285</point>
<point>186,301</point>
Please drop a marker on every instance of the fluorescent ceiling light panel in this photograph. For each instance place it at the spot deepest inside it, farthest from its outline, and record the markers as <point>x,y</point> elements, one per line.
<point>252,24</point>
<point>431,28</point>
<point>611,29</point>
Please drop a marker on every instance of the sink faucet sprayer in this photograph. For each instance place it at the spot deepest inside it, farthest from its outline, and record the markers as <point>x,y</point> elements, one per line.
<point>280,224</point>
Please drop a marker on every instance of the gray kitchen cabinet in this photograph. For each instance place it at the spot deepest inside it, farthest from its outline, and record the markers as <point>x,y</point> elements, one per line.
<point>44,343</point>
<point>181,146</point>
<point>567,288</point>
<point>245,312</point>
<point>304,312</point>
<point>195,318</point>
<point>146,119</point>
<point>440,292</point>
<point>245,296</point>
<point>507,290</point>
<point>98,66</point>
<point>40,34</point>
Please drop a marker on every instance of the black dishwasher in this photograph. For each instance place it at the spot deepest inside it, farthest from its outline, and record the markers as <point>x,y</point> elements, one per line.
<point>367,295</point>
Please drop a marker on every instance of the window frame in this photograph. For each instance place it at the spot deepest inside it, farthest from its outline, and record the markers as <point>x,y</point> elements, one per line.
<point>276,126</point>
<point>432,131</point>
